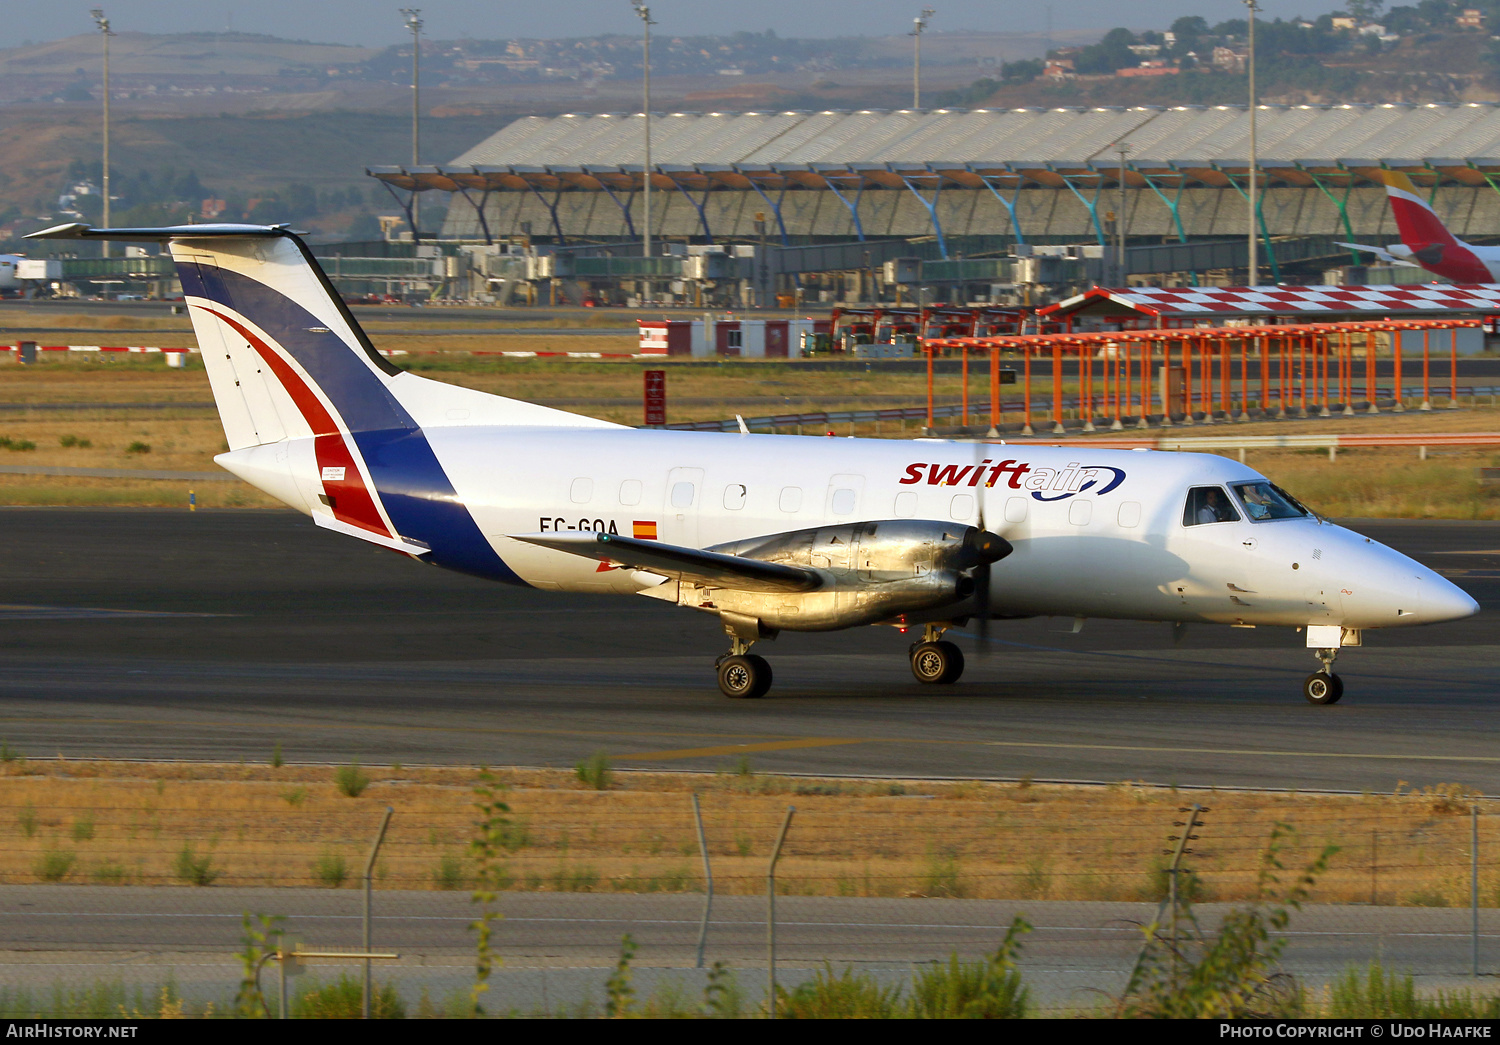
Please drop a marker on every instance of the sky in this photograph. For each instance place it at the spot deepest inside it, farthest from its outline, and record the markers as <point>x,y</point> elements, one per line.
<point>376,24</point>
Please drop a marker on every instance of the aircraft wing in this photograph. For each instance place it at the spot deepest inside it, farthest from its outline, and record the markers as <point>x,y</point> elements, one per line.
<point>690,564</point>
<point>1379,252</point>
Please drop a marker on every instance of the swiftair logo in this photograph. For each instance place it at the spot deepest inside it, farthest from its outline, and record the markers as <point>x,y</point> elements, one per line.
<point>1044,484</point>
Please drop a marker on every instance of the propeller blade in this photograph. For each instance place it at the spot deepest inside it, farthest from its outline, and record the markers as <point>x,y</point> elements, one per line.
<point>982,606</point>
<point>982,575</point>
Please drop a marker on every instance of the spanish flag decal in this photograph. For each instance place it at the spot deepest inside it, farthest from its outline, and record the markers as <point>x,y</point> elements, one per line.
<point>644,529</point>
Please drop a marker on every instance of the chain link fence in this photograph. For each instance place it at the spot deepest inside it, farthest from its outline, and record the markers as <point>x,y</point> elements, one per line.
<point>122,886</point>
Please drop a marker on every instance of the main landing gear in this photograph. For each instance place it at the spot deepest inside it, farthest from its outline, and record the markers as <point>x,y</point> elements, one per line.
<point>1323,687</point>
<point>741,673</point>
<point>934,660</point>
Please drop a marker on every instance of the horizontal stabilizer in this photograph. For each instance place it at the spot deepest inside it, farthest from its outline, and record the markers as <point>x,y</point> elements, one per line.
<point>396,543</point>
<point>78,230</point>
<point>691,564</point>
<point>1379,252</point>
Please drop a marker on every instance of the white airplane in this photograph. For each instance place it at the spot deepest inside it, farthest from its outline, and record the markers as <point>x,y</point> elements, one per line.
<point>766,533</point>
<point>1426,241</point>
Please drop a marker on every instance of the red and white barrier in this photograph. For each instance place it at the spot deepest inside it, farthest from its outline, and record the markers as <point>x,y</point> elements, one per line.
<point>100,348</point>
<point>383,351</point>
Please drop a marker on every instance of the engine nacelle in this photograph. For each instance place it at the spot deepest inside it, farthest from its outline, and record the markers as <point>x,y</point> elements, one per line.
<point>872,571</point>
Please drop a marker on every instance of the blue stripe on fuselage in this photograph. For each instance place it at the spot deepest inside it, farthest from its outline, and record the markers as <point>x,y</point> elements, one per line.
<point>416,492</point>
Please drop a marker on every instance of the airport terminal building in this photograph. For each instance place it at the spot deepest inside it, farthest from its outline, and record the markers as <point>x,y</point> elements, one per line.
<point>970,179</point>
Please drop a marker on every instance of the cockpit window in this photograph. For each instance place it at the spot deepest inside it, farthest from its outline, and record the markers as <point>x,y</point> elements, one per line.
<point>1264,501</point>
<point>1208,504</point>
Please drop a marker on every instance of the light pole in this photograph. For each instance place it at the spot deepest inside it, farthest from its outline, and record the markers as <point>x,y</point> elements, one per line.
<point>1250,194</point>
<point>1122,148</point>
<point>103,25</point>
<point>413,16</point>
<point>918,24</point>
<point>646,22</point>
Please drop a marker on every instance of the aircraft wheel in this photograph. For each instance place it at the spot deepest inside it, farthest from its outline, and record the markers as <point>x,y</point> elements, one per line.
<point>937,663</point>
<point>746,676</point>
<point>1322,688</point>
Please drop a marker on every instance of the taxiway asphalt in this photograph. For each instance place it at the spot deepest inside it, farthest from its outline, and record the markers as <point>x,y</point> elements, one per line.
<point>217,635</point>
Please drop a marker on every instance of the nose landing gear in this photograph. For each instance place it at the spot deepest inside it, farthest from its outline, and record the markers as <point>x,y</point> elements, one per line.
<point>1323,687</point>
<point>935,661</point>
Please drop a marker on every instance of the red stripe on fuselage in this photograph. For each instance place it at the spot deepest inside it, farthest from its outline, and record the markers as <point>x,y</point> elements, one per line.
<point>350,500</point>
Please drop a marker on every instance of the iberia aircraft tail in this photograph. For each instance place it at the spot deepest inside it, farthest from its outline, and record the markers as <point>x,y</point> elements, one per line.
<point>313,414</point>
<point>1417,222</point>
<point>1424,237</point>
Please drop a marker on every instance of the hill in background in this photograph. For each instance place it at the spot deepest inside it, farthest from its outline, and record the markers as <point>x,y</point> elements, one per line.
<point>282,129</point>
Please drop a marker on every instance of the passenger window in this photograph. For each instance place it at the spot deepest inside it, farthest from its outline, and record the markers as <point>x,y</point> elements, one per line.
<point>1081,512</point>
<point>1130,514</point>
<point>791,499</point>
<point>630,491</point>
<point>734,497</point>
<point>582,491</point>
<point>1015,510</point>
<point>1208,504</point>
<point>962,506</point>
<point>682,495</point>
<point>906,504</point>
<point>843,502</point>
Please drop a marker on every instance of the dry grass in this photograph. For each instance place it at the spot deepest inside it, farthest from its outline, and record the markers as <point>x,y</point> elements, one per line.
<point>457,344</point>
<point>439,318</point>
<point>258,825</point>
<point>179,441</point>
<point>1386,483</point>
<point>85,492</point>
<point>103,378</point>
<point>27,319</point>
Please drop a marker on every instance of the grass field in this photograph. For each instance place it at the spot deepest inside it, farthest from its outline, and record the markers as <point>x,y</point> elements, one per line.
<point>1362,483</point>
<point>257,824</point>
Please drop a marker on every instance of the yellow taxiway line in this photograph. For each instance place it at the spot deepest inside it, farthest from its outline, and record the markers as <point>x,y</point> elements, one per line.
<point>746,749</point>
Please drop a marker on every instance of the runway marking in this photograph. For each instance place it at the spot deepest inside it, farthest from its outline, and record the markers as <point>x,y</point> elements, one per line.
<point>16,611</point>
<point>745,749</point>
<point>1184,662</point>
<point>783,745</point>
<point>1222,751</point>
<point>374,726</point>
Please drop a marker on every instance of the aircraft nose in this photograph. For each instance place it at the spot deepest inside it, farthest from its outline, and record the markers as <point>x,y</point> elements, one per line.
<point>1382,588</point>
<point>1443,600</point>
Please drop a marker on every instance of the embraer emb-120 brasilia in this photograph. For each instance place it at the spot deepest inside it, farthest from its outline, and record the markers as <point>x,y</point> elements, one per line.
<point>767,533</point>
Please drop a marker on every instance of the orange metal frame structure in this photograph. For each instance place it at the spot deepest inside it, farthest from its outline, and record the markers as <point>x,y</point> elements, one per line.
<point>1316,365</point>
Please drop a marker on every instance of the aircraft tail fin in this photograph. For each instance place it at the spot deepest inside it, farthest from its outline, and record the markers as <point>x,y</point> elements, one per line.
<point>312,412</point>
<point>1417,222</point>
<point>284,355</point>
